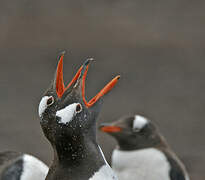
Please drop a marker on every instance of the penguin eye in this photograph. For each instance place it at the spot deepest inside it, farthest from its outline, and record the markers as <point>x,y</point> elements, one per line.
<point>78,108</point>
<point>50,101</point>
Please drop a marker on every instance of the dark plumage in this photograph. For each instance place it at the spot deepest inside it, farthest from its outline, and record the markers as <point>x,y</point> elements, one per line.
<point>69,123</point>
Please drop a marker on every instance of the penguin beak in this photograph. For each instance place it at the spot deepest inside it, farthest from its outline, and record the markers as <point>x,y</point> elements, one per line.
<point>59,82</point>
<point>79,80</point>
<point>110,128</point>
<point>104,90</point>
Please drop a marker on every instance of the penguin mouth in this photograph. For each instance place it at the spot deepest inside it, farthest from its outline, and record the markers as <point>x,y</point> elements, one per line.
<point>110,129</point>
<point>80,76</point>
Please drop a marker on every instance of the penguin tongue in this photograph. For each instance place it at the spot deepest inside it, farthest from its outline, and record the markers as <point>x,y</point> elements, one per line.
<point>110,129</point>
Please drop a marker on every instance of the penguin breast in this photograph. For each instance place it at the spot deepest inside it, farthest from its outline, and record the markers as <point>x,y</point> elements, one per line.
<point>142,164</point>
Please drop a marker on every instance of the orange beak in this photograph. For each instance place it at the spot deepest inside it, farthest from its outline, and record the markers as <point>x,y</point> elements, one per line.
<point>60,87</point>
<point>110,129</point>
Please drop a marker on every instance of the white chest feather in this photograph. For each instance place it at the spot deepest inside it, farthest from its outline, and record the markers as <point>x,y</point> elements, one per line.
<point>33,169</point>
<point>147,164</point>
<point>104,173</point>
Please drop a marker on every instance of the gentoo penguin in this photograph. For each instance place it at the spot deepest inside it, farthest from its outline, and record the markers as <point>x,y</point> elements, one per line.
<point>142,152</point>
<point>18,166</point>
<point>69,123</point>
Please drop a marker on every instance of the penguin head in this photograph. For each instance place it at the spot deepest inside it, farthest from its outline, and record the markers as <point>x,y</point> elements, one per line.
<point>133,132</point>
<point>63,110</point>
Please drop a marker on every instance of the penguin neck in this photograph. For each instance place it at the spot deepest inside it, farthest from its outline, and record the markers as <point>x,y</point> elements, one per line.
<point>129,145</point>
<point>77,149</point>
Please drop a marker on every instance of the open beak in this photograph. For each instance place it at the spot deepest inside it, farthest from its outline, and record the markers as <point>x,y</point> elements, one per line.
<point>59,83</point>
<point>110,128</point>
<point>80,76</point>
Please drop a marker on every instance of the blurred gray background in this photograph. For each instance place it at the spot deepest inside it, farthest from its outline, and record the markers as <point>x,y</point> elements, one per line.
<point>158,47</point>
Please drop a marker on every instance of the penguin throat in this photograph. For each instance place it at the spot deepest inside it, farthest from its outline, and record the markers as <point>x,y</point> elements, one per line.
<point>74,150</point>
<point>136,144</point>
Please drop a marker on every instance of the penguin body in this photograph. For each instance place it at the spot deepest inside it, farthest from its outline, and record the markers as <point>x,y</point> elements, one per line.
<point>18,166</point>
<point>69,123</point>
<point>142,152</point>
<point>149,163</point>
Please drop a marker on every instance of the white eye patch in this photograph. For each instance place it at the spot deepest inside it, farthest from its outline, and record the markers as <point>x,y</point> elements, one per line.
<point>139,122</point>
<point>43,105</point>
<point>66,114</point>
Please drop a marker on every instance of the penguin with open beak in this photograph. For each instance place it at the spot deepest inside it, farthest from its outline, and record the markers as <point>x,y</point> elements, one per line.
<point>142,152</point>
<point>68,121</point>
